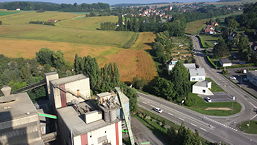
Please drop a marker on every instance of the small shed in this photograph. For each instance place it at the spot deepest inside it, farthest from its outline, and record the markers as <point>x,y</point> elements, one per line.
<point>225,62</point>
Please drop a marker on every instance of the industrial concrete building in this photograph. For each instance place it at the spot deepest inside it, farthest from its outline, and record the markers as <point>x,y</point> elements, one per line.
<point>83,119</point>
<point>252,77</point>
<point>202,88</point>
<point>19,121</point>
<point>65,90</point>
<point>197,74</point>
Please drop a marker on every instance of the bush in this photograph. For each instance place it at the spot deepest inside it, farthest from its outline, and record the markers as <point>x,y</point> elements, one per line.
<point>211,62</point>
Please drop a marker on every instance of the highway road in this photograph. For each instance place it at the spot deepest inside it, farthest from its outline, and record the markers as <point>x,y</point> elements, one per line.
<point>212,128</point>
<point>207,127</point>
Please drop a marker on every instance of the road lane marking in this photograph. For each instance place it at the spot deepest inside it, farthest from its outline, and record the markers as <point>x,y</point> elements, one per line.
<point>203,129</point>
<point>252,104</point>
<point>193,124</point>
<point>253,117</point>
<point>170,114</point>
<point>181,118</point>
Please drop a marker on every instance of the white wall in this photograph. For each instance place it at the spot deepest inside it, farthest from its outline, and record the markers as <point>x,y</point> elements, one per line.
<point>93,116</point>
<point>82,85</point>
<point>199,90</point>
<point>226,64</point>
<point>110,133</point>
<point>197,78</point>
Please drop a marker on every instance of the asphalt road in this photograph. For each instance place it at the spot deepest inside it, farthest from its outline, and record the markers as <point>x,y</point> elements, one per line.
<point>207,127</point>
<point>212,128</point>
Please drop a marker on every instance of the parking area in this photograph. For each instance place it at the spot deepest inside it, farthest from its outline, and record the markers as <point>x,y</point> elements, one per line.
<point>237,76</point>
<point>221,97</point>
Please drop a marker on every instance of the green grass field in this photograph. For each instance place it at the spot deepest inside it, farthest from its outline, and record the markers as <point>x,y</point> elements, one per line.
<point>2,13</point>
<point>215,108</point>
<point>214,86</point>
<point>208,40</point>
<point>251,129</point>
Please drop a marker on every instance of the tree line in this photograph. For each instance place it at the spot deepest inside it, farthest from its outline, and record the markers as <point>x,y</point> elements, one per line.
<point>55,7</point>
<point>103,79</point>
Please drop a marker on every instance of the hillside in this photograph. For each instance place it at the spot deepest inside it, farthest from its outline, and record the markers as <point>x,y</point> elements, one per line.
<point>74,34</point>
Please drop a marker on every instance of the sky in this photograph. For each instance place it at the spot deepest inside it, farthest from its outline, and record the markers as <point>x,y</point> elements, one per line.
<point>111,1</point>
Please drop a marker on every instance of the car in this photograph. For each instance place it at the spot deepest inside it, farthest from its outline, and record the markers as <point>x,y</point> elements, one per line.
<point>233,78</point>
<point>208,99</point>
<point>159,110</point>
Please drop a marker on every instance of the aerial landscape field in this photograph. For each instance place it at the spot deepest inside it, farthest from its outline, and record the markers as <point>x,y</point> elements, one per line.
<point>77,34</point>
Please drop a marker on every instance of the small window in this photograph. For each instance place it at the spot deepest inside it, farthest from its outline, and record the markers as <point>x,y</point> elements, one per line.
<point>90,135</point>
<point>104,131</point>
<point>193,79</point>
<point>204,91</point>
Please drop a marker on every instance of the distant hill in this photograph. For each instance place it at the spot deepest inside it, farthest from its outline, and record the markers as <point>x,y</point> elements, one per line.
<point>244,1</point>
<point>135,4</point>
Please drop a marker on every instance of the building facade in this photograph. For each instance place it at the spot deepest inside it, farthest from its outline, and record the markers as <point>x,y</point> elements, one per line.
<point>252,77</point>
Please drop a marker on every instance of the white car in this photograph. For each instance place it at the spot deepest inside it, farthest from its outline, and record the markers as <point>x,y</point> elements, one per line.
<point>233,78</point>
<point>159,110</point>
<point>208,99</point>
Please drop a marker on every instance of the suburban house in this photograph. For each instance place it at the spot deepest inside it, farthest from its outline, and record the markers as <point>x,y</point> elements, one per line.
<point>197,74</point>
<point>172,63</point>
<point>209,30</point>
<point>252,77</point>
<point>225,62</point>
<point>202,88</point>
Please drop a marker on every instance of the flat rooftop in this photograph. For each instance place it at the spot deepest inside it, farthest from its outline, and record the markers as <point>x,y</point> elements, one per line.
<point>68,79</point>
<point>197,72</point>
<point>21,107</point>
<point>71,118</point>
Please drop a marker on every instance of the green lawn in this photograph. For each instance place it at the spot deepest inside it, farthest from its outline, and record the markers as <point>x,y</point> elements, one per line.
<point>214,86</point>
<point>2,13</point>
<point>208,40</point>
<point>201,106</point>
<point>251,129</point>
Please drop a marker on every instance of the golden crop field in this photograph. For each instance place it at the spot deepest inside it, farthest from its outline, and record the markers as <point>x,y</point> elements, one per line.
<point>76,34</point>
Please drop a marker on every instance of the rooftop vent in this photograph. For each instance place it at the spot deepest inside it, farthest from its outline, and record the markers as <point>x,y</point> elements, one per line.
<point>6,91</point>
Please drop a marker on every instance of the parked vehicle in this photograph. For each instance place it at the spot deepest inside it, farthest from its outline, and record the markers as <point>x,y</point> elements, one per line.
<point>159,110</point>
<point>207,99</point>
<point>233,78</point>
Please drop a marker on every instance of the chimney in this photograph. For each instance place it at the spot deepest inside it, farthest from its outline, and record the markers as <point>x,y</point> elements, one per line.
<point>6,91</point>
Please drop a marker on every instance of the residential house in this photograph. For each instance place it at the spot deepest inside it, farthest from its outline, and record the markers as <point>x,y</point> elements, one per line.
<point>197,74</point>
<point>209,30</point>
<point>202,88</point>
<point>225,62</point>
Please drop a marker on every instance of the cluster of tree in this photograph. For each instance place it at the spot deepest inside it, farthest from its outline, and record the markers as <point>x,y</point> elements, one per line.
<point>139,24</point>
<point>103,79</point>
<point>248,20</point>
<point>19,72</point>
<point>151,24</point>
<point>162,47</point>
<point>108,26</point>
<point>221,49</point>
<point>1,22</point>
<point>42,23</point>
<point>46,56</point>
<point>55,7</point>
<point>175,88</point>
<point>185,136</point>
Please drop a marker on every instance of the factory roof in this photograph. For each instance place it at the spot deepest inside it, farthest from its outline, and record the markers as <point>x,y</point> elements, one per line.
<point>21,107</point>
<point>76,124</point>
<point>68,79</point>
<point>197,72</point>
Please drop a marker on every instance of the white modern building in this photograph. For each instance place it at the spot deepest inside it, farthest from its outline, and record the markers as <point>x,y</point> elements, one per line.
<point>202,88</point>
<point>171,64</point>
<point>197,74</point>
<point>252,77</point>
<point>225,62</point>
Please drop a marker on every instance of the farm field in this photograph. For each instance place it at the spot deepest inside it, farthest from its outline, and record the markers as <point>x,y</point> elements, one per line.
<point>76,34</point>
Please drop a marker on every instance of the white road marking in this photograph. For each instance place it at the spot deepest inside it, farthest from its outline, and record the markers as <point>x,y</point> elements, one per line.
<point>203,129</point>
<point>252,105</point>
<point>253,117</point>
<point>181,118</point>
<point>170,114</point>
<point>193,124</point>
